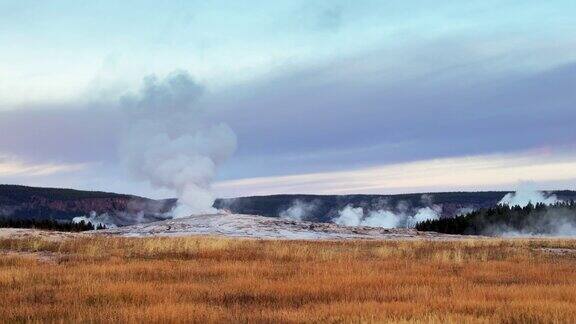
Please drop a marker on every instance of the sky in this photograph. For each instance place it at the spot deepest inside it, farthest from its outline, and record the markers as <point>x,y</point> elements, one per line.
<point>322,96</point>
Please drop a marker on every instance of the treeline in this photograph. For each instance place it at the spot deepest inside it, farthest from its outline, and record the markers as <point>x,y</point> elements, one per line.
<point>533,219</point>
<point>49,224</point>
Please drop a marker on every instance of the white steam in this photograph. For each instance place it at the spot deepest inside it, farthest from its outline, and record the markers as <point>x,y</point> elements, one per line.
<point>402,216</point>
<point>96,220</point>
<point>298,210</point>
<point>424,214</point>
<point>350,216</point>
<point>526,194</point>
<point>170,143</point>
<point>382,218</point>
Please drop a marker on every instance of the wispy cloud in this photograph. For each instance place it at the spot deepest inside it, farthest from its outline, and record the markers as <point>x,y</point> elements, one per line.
<point>459,173</point>
<point>11,166</point>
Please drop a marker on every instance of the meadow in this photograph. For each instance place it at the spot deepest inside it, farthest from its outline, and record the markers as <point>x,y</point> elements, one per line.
<point>202,279</point>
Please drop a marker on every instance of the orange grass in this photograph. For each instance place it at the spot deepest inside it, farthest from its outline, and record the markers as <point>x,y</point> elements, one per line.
<point>101,279</point>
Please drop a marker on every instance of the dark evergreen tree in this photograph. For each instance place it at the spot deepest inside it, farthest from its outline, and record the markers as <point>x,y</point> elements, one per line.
<point>538,219</point>
<point>49,224</point>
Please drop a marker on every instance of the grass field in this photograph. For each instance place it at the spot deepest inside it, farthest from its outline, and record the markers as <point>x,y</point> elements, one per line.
<point>102,279</point>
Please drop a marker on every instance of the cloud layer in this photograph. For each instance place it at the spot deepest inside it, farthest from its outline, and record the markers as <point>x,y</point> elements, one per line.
<point>464,173</point>
<point>366,97</point>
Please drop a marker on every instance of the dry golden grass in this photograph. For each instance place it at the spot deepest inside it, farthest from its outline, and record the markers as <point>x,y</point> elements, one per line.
<point>99,279</point>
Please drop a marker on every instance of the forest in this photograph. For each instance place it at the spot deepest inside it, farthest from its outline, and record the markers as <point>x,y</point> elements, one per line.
<point>538,219</point>
<point>49,224</point>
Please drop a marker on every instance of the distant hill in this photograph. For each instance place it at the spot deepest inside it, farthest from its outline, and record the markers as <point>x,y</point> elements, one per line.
<point>326,207</point>
<point>22,202</point>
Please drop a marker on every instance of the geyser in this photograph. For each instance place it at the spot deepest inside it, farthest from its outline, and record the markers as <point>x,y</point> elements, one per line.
<point>170,142</point>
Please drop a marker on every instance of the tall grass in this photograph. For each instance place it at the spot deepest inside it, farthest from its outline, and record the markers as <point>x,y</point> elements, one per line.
<point>99,279</point>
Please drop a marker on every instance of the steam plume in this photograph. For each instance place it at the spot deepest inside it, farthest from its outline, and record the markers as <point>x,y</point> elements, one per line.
<point>298,210</point>
<point>350,216</point>
<point>97,220</point>
<point>170,143</point>
<point>385,217</point>
<point>526,194</point>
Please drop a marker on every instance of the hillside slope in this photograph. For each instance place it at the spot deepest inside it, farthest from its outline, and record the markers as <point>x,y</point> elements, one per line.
<point>24,202</point>
<point>326,207</point>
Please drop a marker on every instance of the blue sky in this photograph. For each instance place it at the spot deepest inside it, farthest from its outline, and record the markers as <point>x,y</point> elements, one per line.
<point>338,96</point>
